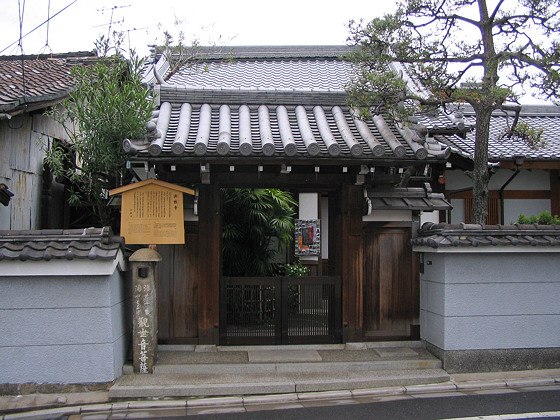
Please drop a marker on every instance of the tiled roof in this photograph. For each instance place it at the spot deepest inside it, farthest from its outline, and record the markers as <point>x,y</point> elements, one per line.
<point>538,116</point>
<point>224,83</point>
<point>304,74</point>
<point>471,235</point>
<point>422,199</point>
<point>271,102</point>
<point>36,245</point>
<point>218,61</point>
<point>29,80</point>
<point>296,131</point>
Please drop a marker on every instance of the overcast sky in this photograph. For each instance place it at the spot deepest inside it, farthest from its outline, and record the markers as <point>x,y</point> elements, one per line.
<point>225,22</point>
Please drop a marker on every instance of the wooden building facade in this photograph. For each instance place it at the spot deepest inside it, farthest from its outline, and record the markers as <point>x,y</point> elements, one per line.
<point>277,118</point>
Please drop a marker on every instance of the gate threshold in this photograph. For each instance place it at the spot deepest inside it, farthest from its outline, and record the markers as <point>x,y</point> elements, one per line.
<point>204,348</point>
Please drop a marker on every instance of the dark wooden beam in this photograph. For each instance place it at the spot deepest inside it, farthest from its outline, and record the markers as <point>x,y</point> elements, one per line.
<point>555,192</point>
<point>544,164</point>
<point>508,194</point>
<point>352,261</point>
<point>209,264</point>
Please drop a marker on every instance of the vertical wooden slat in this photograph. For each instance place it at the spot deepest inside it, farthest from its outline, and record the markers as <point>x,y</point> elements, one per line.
<point>555,192</point>
<point>191,292</point>
<point>209,263</point>
<point>164,285</point>
<point>493,211</point>
<point>352,263</point>
<point>177,290</point>
<point>391,289</point>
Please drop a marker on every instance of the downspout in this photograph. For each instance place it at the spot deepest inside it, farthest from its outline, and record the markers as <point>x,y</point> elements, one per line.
<point>518,164</point>
<point>449,194</point>
<point>491,171</point>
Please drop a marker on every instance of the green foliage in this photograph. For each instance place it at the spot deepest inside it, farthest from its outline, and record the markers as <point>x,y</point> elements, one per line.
<point>251,217</point>
<point>296,269</point>
<point>107,105</point>
<point>459,51</point>
<point>532,136</point>
<point>545,218</point>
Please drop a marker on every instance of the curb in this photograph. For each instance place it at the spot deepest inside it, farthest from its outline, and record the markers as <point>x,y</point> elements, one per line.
<point>254,400</point>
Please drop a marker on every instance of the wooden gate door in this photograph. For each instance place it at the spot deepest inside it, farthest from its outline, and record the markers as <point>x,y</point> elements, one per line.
<point>177,291</point>
<point>391,284</point>
<point>280,310</point>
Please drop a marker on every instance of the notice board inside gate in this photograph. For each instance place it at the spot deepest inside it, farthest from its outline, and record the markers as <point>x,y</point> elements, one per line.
<point>152,212</point>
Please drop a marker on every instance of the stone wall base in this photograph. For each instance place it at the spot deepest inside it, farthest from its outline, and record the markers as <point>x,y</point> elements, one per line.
<point>467,361</point>
<point>35,388</point>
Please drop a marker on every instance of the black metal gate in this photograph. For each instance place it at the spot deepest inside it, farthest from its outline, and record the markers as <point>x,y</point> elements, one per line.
<point>280,310</point>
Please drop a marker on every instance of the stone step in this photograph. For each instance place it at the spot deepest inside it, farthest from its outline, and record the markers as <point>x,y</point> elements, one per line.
<point>228,384</point>
<point>308,367</point>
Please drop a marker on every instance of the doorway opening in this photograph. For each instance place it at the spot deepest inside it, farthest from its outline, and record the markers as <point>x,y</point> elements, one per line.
<point>267,292</point>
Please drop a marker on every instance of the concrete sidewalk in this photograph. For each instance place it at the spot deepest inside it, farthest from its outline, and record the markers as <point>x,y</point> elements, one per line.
<point>186,379</point>
<point>98,404</point>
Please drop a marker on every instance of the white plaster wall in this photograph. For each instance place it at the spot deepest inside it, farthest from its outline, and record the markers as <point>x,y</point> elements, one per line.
<point>525,180</point>
<point>458,211</point>
<point>490,300</point>
<point>64,329</point>
<point>388,216</point>
<point>429,216</point>
<point>513,208</point>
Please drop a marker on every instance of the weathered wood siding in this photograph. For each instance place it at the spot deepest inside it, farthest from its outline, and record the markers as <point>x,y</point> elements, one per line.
<point>351,261</point>
<point>189,278</point>
<point>178,290</point>
<point>380,285</point>
<point>391,284</point>
<point>22,143</point>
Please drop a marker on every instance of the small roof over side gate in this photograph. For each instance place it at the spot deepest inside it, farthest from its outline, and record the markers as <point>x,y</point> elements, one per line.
<point>419,199</point>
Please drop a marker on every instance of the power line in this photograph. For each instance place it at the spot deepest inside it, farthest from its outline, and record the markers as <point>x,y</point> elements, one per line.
<point>37,27</point>
<point>48,25</point>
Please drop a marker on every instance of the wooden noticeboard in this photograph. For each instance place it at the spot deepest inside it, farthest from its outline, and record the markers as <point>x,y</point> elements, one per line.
<point>152,212</point>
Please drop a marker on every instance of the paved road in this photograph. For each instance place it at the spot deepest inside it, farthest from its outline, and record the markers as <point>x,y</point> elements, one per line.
<point>525,405</point>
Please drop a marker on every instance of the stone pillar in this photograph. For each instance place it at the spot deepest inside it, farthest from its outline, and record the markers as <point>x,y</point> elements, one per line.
<point>144,309</point>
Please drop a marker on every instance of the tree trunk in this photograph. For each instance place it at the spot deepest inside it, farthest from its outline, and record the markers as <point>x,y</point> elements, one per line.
<point>480,175</point>
<point>483,107</point>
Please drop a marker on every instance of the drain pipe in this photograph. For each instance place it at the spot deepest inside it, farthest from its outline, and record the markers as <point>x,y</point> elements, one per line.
<point>491,171</point>
<point>449,194</point>
<point>518,164</point>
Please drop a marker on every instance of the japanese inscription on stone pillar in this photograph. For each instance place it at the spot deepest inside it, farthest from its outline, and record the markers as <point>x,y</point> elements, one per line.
<point>144,317</point>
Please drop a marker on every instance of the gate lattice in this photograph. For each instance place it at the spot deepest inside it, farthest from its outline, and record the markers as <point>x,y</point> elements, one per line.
<point>280,310</point>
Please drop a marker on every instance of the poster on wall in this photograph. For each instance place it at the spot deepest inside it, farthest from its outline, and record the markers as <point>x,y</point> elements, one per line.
<point>307,237</point>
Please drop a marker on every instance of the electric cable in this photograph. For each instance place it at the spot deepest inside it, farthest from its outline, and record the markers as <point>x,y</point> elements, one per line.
<point>38,26</point>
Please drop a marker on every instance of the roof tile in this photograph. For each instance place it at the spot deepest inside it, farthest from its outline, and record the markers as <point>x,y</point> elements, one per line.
<point>464,235</point>
<point>45,245</point>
